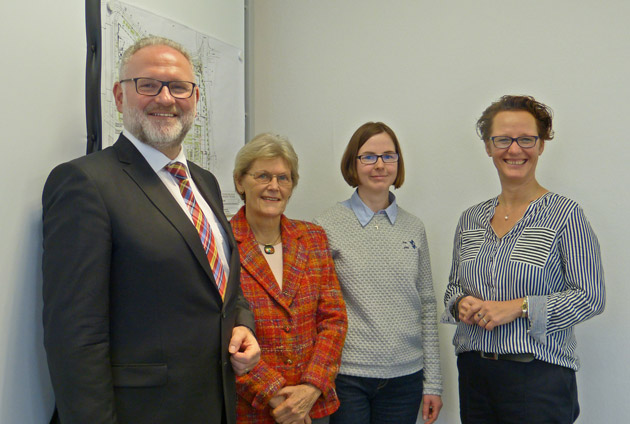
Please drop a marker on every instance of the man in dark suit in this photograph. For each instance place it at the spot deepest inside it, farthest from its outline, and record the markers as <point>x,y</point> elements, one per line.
<point>143,321</point>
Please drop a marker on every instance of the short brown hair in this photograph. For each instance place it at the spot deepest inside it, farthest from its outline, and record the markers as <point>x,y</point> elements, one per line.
<point>358,139</point>
<point>541,113</point>
<point>265,146</point>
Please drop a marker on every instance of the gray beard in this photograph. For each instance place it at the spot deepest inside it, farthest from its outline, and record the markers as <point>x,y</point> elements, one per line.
<point>157,136</point>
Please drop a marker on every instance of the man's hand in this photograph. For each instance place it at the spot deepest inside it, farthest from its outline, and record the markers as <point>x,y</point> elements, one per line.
<point>293,403</point>
<point>431,405</point>
<point>244,350</point>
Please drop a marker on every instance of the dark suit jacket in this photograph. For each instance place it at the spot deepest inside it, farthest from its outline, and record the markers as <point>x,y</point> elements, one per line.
<point>134,327</point>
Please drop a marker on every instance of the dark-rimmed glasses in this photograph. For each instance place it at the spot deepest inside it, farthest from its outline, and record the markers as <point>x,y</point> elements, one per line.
<point>385,157</point>
<point>264,177</point>
<point>153,87</point>
<point>503,141</point>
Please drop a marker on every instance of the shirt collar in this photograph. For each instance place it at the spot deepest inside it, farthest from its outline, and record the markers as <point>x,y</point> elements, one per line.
<point>156,159</point>
<point>364,214</point>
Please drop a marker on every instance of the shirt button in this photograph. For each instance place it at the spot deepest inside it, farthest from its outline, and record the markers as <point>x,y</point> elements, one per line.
<point>287,329</point>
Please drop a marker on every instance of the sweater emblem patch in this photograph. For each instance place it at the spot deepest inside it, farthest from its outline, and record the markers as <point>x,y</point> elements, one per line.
<point>409,244</point>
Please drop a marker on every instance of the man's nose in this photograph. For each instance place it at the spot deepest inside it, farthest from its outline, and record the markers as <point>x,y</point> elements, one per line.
<point>164,96</point>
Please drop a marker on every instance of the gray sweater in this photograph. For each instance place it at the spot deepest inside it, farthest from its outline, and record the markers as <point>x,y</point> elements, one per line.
<point>385,276</point>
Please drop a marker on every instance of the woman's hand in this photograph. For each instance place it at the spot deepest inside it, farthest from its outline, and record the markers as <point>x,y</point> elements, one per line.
<point>431,405</point>
<point>488,314</point>
<point>467,309</point>
<point>291,404</point>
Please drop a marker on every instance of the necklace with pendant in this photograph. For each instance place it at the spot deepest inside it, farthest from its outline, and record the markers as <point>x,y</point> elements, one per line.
<point>507,215</point>
<point>268,247</point>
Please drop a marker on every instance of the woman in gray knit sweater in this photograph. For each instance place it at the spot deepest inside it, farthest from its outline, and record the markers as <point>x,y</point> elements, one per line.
<point>390,362</point>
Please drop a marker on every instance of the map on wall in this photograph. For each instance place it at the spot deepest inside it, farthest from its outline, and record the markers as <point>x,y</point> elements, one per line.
<point>219,128</point>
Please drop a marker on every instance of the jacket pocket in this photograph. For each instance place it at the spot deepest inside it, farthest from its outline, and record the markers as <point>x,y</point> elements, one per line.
<point>139,375</point>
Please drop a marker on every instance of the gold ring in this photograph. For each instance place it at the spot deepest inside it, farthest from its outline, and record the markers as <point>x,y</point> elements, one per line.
<point>484,320</point>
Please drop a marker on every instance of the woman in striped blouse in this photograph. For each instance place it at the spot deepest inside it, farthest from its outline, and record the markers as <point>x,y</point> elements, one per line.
<point>526,269</point>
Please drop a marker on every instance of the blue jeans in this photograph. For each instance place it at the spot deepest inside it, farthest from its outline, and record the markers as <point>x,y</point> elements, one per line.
<point>378,401</point>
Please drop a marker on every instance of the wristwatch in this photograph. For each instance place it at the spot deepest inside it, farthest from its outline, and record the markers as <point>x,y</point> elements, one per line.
<point>525,307</point>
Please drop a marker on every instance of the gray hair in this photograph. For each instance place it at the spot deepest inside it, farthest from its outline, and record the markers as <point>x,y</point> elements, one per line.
<point>153,40</point>
<point>265,146</point>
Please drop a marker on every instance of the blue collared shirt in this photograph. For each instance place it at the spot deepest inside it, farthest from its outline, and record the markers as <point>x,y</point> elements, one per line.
<point>364,214</point>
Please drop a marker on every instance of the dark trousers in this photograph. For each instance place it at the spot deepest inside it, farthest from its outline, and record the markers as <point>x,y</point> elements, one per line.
<point>506,392</point>
<point>377,400</point>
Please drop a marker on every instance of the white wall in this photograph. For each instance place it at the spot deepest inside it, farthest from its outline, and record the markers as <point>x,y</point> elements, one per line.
<point>321,68</point>
<point>42,116</point>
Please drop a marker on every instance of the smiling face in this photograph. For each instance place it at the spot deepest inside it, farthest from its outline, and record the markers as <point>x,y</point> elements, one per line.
<point>265,201</point>
<point>515,164</point>
<point>160,121</point>
<point>375,179</point>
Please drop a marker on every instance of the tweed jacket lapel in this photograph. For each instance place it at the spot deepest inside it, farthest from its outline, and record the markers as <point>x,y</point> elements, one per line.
<point>294,256</point>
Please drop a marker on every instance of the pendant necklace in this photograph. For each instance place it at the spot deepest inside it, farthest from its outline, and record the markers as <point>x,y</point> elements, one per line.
<point>268,247</point>
<point>507,215</point>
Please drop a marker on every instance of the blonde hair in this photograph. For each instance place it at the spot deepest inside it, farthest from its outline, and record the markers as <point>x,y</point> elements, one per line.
<point>265,146</point>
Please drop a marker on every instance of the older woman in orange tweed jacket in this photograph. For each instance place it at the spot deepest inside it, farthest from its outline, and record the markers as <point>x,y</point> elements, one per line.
<point>300,315</point>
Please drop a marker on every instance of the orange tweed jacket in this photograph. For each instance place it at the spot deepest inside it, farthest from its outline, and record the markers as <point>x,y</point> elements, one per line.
<point>301,328</point>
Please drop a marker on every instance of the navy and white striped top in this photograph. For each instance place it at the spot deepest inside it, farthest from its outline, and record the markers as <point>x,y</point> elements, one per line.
<point>551,255</point>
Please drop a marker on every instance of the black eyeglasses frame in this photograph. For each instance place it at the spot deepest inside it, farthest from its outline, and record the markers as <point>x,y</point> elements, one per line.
<point>518,141</point>
<point>164,84</point>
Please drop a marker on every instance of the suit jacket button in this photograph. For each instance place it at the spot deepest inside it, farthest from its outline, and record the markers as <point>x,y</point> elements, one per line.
<point>289,362</point>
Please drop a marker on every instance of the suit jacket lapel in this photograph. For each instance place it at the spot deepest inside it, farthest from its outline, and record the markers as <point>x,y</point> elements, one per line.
<point>138,169</point>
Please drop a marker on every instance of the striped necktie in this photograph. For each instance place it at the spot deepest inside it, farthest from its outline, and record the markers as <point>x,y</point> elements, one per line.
<point>178,170</point>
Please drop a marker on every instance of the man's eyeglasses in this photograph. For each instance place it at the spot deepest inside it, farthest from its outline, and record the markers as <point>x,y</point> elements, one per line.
<point>153,87</point>
<point>385,157</point>
<point>503,142</point>
<point>264,177</point>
